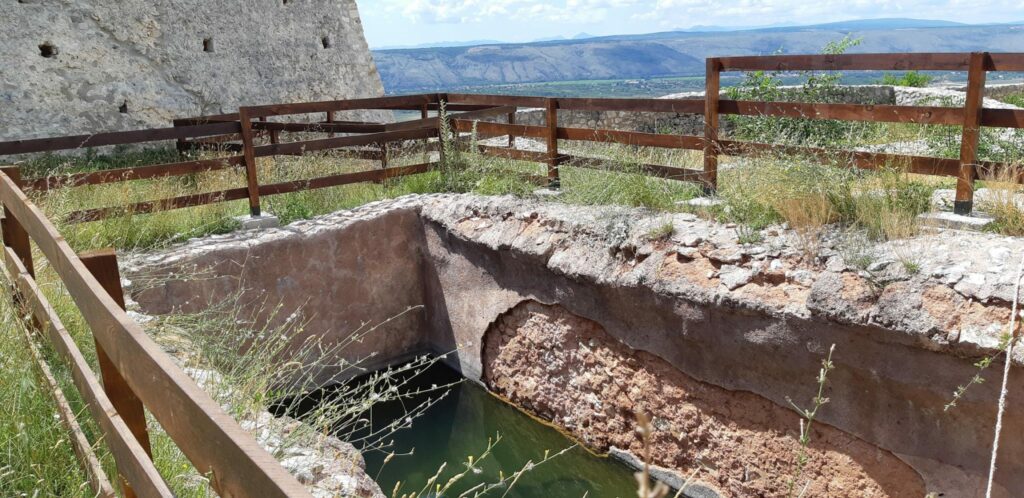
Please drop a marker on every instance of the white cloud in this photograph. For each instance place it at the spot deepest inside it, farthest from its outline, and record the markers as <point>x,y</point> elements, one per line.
<point>752,12</point>
<point>541,17</point>
<point>466,11</point>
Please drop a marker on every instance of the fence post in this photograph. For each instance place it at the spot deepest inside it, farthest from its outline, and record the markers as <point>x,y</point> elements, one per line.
<point>554,181</point>
<point>973,104</point>
<point>511,137</point>
<point>14,233</point>
<point>252,182</point>
<point>330,119</point>
<point>441,130</point>
<point>102,263</point>
<point>182,143</point>
<point>384,155</point>
<point>273,133</point>
<point>424,114</point>
<point>712,84</point>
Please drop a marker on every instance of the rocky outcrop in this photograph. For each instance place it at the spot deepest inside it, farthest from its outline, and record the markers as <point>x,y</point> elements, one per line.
<point>568,369</point>
<point>86,66</point>
<point>693,316</point>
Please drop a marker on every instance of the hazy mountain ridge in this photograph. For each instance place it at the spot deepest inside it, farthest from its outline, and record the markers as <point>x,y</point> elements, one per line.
<point>675,53</point>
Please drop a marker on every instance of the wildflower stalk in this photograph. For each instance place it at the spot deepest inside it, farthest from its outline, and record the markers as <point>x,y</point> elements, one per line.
<point>807,418</point>
<point>1001,407</point>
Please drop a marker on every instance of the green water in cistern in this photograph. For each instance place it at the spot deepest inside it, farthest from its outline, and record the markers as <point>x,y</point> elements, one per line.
<point>460,424</point>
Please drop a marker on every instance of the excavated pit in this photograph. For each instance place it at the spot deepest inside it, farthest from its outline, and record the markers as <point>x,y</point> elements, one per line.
<point>575,315</point>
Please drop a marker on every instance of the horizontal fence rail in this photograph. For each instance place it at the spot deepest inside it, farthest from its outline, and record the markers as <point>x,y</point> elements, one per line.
<point>872,62</point>
<point>208,436</point>
<point>116,138</point>
<point>211,440</point>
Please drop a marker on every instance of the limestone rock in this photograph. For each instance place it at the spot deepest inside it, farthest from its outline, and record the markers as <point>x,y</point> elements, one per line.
<point>734,277</point>
<point>86,66</point>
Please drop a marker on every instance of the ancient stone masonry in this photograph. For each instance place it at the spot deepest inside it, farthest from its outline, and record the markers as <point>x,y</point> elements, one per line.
<point>80,66</point>
<point>580,315</point>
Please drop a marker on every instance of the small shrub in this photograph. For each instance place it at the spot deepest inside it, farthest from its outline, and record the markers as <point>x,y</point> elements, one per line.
<point>807,418</point>
<point>748,235</point>
<point>909,78</point>
<point>289,208</point>
<point>817,87</point>
<point>807,216</point>
<point>857,250</point>
<point>887,206</point>
<point>911,266</point>
<point>1016,99</point>
<point>994,144</point>
<point>662,231</point>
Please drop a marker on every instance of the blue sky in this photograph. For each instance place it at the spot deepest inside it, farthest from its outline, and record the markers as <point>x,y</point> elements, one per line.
<point>410,22</point>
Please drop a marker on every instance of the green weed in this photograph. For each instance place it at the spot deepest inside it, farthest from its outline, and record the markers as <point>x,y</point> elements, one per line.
<point>909,78</point>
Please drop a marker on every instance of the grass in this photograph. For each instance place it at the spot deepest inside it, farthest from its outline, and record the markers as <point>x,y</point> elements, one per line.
<point>1016,99</point>
<point>622,182</point>
<point>746,234</point>
<point>662,231</point>
<point>36,457</point>
<point>807,216</point>
<point>258,368</point>
<point>1005,203</point>
<point>808,195</point>
<point>254,369</point>
<point>38,460</point>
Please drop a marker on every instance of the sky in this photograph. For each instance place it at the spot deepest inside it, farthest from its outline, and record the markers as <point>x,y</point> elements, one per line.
<point>412,22</point>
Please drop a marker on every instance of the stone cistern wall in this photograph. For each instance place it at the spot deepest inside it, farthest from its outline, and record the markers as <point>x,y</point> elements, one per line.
<point>576,315</point>
<point>84,66</point>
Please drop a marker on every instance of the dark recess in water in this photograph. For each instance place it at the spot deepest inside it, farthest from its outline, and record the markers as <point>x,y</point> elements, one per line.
<point>460,424</point>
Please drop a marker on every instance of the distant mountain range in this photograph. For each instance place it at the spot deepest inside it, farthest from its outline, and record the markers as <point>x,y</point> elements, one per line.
<point>470,43</point>
<point>668,54</point>
<point>891,23</point>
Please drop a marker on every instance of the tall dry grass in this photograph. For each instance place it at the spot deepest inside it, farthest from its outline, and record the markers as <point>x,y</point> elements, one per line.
<point>1005,199</point>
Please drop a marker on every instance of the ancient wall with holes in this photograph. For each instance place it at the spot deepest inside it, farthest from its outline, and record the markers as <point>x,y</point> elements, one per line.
<point>82,66</point>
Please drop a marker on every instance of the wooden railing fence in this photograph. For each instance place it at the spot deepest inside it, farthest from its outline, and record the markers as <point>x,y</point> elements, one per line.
<point>135,371</point>
<point>137,375</point>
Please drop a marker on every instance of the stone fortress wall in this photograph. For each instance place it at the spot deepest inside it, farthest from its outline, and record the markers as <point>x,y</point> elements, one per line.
<point>83,66</point>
